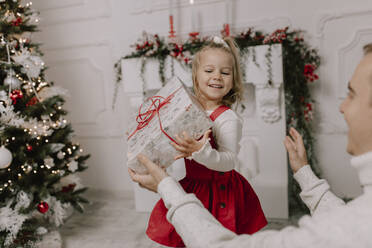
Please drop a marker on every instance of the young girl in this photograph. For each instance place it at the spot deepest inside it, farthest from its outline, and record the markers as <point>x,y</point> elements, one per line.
<point>210,161</point>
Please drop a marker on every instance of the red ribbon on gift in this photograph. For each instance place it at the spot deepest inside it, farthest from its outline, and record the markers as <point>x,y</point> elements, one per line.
<point>143,119</point>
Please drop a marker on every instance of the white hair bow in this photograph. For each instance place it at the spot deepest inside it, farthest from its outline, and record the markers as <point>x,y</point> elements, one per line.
<point>218,40</point>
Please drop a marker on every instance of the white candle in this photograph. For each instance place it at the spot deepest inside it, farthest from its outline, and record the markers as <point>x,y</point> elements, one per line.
<point>170,7</point>
<point>228,11</point>
<point>193,16</point>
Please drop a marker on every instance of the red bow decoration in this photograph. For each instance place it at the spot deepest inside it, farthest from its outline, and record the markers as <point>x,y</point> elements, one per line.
<point>16,94</point>
<point>177,51</point>
<point>143,119</point>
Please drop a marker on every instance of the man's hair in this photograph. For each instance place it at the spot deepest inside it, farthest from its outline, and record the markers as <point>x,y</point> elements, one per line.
<point>367,49</point>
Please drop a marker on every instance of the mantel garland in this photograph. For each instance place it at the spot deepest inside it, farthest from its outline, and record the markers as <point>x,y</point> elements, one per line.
<point>299,65</point>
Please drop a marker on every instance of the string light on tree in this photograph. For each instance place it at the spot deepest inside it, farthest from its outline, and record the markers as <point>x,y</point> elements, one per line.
<point>12,81</point>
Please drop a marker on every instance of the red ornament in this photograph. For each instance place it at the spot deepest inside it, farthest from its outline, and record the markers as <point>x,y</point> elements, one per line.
<point>29,148</point>
<point>16,94</point>
<point>309,106</point>
<point>42,207</point>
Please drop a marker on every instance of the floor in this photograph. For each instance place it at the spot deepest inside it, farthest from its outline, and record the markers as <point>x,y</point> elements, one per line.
<point>111,221</point>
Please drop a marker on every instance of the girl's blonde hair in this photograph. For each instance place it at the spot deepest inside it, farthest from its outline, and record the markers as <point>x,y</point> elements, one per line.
<point>236,92</point>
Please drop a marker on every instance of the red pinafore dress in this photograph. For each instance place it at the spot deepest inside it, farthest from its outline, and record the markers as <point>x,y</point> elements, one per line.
<point>227,195</point>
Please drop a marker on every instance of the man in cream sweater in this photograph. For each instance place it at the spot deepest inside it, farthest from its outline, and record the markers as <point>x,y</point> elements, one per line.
<point>332,222</point>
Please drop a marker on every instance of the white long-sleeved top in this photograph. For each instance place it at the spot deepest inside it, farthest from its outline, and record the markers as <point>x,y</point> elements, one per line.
<point>227,131</point>
<point>332,224</point>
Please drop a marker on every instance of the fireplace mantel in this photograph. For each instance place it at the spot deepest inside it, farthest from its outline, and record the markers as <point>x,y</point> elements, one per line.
<point>263,156</point>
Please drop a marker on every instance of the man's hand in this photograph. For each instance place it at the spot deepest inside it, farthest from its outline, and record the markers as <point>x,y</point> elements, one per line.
<point>296,150</point>
<point>151,180</point>
<point>187,145</point>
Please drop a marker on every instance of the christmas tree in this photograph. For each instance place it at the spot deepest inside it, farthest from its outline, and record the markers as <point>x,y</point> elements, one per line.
<point>38,159</point>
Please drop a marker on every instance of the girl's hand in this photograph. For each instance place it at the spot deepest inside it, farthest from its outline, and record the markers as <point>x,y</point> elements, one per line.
<point>296,150</point>
<point>187,145</point>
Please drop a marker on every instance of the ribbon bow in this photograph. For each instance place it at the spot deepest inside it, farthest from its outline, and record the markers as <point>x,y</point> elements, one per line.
<point>157,102</point>
<point>218,40</point>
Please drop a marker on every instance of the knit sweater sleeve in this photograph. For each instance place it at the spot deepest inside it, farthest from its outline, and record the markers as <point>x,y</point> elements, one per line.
<point>316,192</point>
<point>199,229</point>
<point>227,132</point>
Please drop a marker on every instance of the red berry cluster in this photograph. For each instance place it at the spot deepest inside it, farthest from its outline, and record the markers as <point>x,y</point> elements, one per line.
<point>309,72</point>
<point>194,36</point>
<point>17,21</point>
<point>277,36</point>
<point>246,34</point>
<point>298,39</point>
<point>145,45</point>
<point>149,45</point>
<point>308,112</point>
<point>178,53</point>
<point>32,101</point>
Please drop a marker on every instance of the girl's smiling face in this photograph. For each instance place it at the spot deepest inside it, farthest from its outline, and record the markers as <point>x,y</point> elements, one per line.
<point>214,77</point>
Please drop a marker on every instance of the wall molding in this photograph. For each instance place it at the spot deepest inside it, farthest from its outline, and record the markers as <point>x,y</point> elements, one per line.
<point>57,4</point>
<point>342,58</point>
<point>264,24</point>
<point>89,62</point>
<point>102,13</point>
<point>150,6</point>
<point>329,128</point>
<point>324,19</point>
<point>102,43</point>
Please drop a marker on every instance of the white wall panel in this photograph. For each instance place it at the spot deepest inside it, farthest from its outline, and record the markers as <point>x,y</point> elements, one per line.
<point>83,87</point>
<point>96,33</point>
<point>56,12</point>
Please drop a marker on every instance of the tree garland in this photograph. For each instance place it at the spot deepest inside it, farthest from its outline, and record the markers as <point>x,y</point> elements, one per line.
<point>299,65</point>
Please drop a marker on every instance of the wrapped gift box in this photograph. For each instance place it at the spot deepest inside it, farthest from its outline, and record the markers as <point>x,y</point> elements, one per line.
<point>172,110</point>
